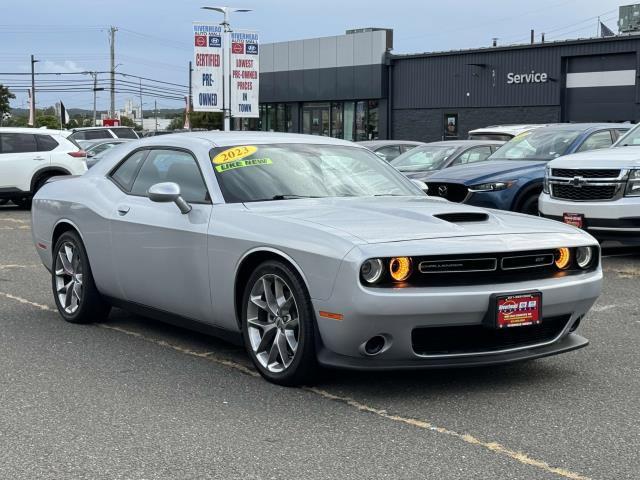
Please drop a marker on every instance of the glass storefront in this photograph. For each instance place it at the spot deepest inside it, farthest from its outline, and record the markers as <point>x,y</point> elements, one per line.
<point>347,120</point>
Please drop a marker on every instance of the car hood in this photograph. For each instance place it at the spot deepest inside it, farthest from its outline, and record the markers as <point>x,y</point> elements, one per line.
<point>395,219</point>
<point>489,170</point>
<point>617,157</point>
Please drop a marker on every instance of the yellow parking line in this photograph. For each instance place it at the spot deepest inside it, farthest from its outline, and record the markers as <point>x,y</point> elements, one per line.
<point>493,447</point>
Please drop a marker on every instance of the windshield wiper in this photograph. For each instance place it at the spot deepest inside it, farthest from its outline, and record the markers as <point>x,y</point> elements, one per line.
<point>283,197</point>
<point>389,195</point>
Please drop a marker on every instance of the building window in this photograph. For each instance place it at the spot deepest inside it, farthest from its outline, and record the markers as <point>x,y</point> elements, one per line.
<point>349,114</point>
<point>337,126</point>
<point>361,121</point>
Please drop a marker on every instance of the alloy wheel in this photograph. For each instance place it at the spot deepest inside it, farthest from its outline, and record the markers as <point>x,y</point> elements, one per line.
<point>273,323</point>
<point>68,276</point>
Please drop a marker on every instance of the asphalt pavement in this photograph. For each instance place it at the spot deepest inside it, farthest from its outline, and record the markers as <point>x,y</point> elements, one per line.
<point>136,399</point>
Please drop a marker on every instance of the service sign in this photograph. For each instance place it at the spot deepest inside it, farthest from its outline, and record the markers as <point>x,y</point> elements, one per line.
<point>245,73</point>
<point>207,77</point>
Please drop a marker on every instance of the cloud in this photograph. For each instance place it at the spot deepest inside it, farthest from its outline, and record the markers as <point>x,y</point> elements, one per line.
<point>68,66</point>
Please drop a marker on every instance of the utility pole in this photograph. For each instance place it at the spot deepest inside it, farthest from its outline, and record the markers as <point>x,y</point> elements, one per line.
<point>112,42</point>
<point>141,111</point>
<point>95,92</point>
<point>190,96</point>
<point>33,88</point>
<point>155,111</point>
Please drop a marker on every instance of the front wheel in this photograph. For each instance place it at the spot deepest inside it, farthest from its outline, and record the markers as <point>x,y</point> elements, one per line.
<point>277,325</point>
<point>530,205</point>
<point>74,290</point>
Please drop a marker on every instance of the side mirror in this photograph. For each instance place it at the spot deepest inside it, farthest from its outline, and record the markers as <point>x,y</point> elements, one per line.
<point>421,185</point>
<point>168,192</point>
<point>91,154</point>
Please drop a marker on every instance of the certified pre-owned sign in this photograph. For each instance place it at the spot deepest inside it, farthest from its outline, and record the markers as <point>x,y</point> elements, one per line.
<point>530,77</point>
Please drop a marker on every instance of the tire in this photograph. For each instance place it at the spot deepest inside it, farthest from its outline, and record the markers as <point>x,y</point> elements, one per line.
<point>530,205</point>
<point>3,201</point>
<point>279,338</point>
<point>74,291</point>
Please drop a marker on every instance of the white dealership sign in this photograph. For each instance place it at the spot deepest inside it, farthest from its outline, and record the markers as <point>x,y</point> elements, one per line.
<point>529,77</point>
<point>207,79</point>
<point>245,74</point>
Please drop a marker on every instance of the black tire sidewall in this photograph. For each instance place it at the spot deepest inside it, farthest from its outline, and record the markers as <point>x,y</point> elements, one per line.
<point>528,204</point>
<point>304,363</point>
<point>92,307</point>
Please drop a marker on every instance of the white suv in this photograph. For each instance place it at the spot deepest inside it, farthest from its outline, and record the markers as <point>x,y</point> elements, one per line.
<point>598,191</point>
<point>29,157</point>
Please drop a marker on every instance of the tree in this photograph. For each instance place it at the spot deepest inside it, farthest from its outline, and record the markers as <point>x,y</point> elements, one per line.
<point>49,121</point>
<point>5,96</point>
<point>176,123</point>
<point>127,122</point>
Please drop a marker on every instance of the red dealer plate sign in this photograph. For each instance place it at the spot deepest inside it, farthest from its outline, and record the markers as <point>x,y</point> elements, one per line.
<point>518,310</point>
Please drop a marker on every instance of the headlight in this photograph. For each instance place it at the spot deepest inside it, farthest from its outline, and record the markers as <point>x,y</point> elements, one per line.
<point>545,184</point>
<point>400,268</point>
<point>584,257</point>
<point>372,270</point>
<point>633,184</point>
<point>563,258</point>
<point>491,187</point>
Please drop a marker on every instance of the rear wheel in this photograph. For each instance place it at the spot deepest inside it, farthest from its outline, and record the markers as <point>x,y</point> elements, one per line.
<point>3,201</point>
<point>277,325</point>
<point>74,290</point>
<point>24,202</point>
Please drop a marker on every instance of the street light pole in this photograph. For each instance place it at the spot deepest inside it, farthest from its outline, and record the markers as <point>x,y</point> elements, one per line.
<point>33,88</point>
<point>226,73</point>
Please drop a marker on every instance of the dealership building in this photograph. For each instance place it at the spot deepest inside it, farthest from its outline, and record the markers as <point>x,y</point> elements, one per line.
<point>352,86</point>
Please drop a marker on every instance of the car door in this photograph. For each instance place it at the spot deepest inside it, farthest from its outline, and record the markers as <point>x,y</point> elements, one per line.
<point>19,160</point>
<point>160,253</point>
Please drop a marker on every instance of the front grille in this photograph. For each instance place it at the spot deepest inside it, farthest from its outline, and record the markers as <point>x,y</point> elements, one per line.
<point>454,192</point>
<point>469,339</point>
<point>585,192</point>
<point>585,173</point>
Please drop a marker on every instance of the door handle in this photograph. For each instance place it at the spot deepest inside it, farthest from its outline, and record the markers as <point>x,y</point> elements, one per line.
<point>123,210</point>
<point>39,159</point>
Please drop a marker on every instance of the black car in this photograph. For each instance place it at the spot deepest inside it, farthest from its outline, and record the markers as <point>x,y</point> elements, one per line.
<point>423,161</point>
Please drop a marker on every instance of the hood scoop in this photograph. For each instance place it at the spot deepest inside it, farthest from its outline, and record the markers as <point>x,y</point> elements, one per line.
<point>463,217</point>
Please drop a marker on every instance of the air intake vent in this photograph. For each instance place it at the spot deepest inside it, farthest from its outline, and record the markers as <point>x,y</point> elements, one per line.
<point>462,217</point>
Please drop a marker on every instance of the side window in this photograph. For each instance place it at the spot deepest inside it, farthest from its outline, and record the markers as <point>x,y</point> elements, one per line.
<point>619,132</point>
<point>172,166</point>
<point>388,153</point>
<point>46,143</point>
<point>125,133</point>
<point>596,141</point>
<point>406,148</point>
<point>97,134</point>
<point>18,143</point>
<point>477,154</point>
<point>126,172</point>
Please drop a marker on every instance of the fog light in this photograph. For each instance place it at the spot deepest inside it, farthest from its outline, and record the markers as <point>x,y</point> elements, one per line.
<point>563,258</point>
<point>584,256</point>
<point>371,270</point>
<point>400,268</point>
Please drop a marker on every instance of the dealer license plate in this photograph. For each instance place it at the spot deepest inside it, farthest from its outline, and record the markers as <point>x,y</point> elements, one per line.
<point>575,219</point>
<point>518,310</point>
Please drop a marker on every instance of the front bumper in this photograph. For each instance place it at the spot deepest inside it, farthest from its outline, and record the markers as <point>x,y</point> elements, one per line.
<point>617,221</point>
<point>394,314</point>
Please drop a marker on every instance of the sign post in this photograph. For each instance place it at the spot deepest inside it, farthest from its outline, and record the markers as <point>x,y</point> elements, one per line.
<point>237,100</point>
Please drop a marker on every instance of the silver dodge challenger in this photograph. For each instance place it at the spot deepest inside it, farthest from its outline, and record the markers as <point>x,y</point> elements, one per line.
<point>312,252</point>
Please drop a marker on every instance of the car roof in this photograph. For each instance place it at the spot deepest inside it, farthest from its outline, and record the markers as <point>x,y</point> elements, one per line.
<point>583,127</point>
<point>464,143</point>
<point>507,129</point>
<point>223,139</point>
<point>37,131</point>
<point>382,143</point>
<point>79,129</point>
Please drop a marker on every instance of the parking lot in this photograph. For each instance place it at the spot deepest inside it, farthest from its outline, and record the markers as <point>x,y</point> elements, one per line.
<point>133,398</point>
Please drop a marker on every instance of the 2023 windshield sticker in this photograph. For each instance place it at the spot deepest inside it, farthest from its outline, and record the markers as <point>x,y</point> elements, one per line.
<point>234,153</point>
<point>232,165</point>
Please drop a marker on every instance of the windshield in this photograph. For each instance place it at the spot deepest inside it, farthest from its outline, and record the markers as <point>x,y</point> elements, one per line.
<point>424,158</point>
<point>501,137</point>
<point>630,139</point>
<point>249,173</point>
<point>537,145</point>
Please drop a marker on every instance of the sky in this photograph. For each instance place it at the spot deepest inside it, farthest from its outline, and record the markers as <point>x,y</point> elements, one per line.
<point>154,38</point>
